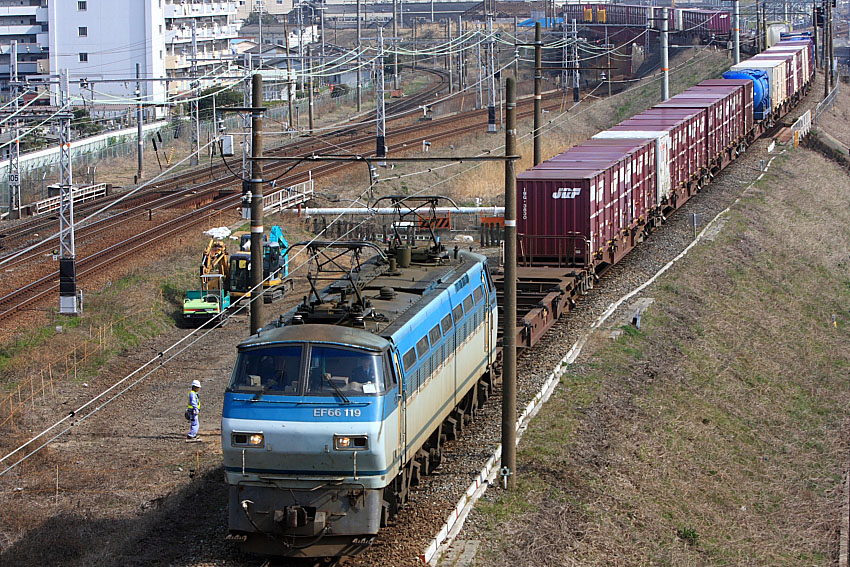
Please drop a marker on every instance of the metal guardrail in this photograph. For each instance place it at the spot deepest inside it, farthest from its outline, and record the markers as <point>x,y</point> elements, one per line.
<point>288,197</point>
<point>826,103</point>
<point>80,195</point>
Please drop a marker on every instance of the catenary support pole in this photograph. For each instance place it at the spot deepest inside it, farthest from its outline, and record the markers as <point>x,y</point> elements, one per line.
<point>665,56</point>
<point>608,61</point>
<point>538,87</point>
<point>15,147</point>
<point>516,49</point>
<point>491,77</point>
<point>449,55</point>
<point>69,303</point>
<point>509,352</point>
<point>310,88</point>
<point>140,139</point>
<point>815,34</point>
<point>736,30</point>
<point>831,47</point>
<point>256,203</point>
<point>194,115</point>
<point>359,69</point>
<point>461,79</point>
<point>396,72</point>
<point>290,84</point>
<point>576,61</point>
<point>380,102</point>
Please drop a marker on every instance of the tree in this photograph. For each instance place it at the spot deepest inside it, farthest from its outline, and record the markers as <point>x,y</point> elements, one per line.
<point>35,140</point>
<point>254,18</point>
<point>227,97</point>
<point>83,123</point>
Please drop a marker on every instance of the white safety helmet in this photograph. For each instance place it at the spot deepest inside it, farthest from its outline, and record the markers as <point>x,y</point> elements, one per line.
<point>196,383</point>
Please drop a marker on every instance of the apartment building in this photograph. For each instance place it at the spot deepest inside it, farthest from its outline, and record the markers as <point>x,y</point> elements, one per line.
<point>273,7</point>
<point>26,22</point>
<point>100,43</point>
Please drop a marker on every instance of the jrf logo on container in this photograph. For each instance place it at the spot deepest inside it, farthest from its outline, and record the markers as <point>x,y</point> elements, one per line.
<point>566,193</point>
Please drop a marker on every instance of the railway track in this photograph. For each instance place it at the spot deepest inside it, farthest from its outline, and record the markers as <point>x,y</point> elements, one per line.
<point>15,234</point>
<point>212,196</point>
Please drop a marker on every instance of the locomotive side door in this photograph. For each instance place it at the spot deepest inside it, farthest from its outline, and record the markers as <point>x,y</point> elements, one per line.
<point>488,317</point>
<point>402,407</point>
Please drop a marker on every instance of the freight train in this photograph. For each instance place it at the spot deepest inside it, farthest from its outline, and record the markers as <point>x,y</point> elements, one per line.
<point>589,206</point>
<point>694,21</point>
<point>334,411</point>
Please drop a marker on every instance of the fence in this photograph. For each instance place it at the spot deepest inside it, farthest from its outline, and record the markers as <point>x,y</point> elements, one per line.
<point>38,386</point>
<point>801,127</point>
<point>825,104</point>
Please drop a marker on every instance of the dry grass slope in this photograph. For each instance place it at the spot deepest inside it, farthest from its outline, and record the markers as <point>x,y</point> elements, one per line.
<point>716,434</point>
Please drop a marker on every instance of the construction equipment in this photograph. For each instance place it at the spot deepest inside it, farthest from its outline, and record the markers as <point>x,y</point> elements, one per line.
<point>213,298</point>
<point>275,267</point>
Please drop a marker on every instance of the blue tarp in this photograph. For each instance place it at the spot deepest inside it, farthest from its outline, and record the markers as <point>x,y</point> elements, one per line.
<point>544,22</point>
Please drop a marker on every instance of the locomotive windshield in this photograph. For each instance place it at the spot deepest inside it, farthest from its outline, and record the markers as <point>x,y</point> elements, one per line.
<point>274,369</point>
<point>352,373</point>
<point>331,371</point>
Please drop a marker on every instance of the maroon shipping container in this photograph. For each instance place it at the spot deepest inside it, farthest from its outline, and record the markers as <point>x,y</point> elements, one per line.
<point>734,108</point>
<point>687,139</point>
<point>572,208</point>
<point>714,137</point>
<point>747,100</point>
<point>704,22</point>
<point>637,172</point>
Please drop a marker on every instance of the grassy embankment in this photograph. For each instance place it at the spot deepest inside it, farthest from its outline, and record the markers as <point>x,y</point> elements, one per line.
<point>715,435</point>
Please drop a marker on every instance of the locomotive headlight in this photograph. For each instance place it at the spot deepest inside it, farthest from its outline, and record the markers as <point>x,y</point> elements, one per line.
<point>351,442</point>
<point>239,439</point>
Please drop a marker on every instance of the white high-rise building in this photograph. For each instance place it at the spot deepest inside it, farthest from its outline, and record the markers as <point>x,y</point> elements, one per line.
<point>104,40</point>
<point>24,21</point>
<point>101,41</point>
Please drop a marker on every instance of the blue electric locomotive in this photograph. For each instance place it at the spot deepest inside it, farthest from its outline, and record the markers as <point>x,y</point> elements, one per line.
<point>333,412</point>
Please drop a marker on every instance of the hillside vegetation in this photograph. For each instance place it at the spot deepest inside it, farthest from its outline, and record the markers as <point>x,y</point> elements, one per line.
<point>715,435</point>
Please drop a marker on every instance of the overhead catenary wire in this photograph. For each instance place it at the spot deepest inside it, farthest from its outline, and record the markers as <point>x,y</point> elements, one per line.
<point>161,356</point>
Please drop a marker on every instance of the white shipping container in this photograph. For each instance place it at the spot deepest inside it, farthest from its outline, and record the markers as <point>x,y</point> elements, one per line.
<point>775,69</point>
<point>662,156</point>
<point>803,54</point>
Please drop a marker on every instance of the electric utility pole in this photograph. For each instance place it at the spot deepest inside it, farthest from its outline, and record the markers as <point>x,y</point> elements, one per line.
<point>256,203</point>
<point>193,101</point>
<point>509,351</point>
<point>15,149</point>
